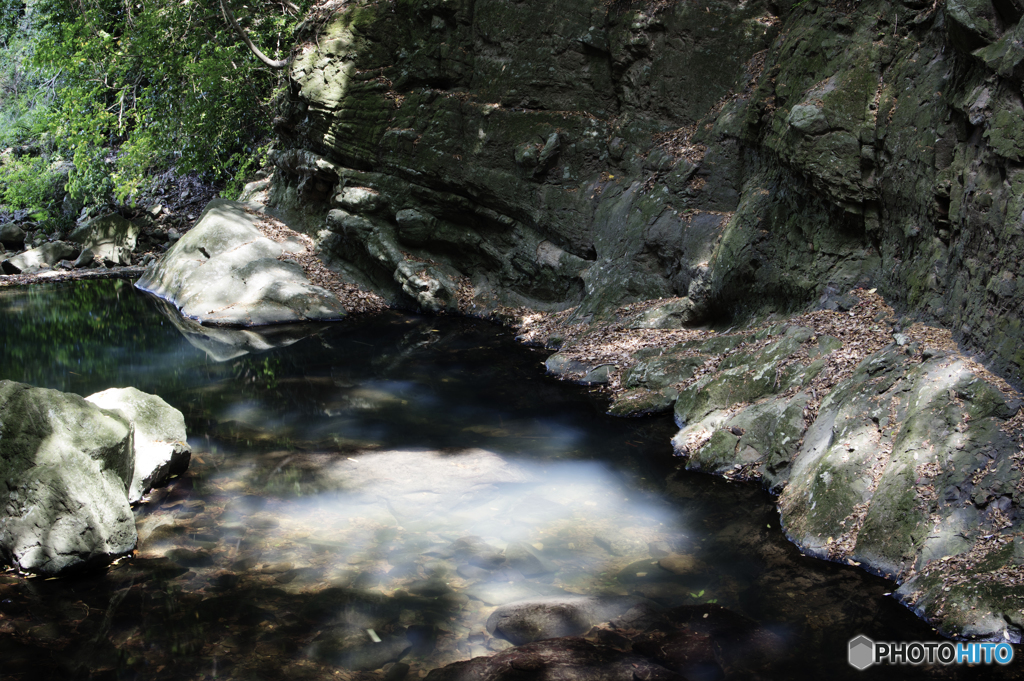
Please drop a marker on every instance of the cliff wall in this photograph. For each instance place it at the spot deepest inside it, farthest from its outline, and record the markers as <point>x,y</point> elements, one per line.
<point>746,157</point>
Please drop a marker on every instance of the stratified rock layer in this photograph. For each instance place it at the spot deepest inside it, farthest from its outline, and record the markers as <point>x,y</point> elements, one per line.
<point>736,156</point>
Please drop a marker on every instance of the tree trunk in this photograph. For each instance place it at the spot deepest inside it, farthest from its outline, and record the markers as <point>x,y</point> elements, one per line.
<point>272,63</point>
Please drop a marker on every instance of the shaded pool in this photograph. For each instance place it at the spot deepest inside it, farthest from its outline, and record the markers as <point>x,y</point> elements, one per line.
<point>373,489</point>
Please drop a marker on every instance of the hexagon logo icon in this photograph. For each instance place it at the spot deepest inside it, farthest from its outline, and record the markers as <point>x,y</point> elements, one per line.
<point>862,652</point>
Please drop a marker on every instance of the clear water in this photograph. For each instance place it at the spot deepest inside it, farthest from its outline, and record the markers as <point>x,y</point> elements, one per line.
<point>355,481</point>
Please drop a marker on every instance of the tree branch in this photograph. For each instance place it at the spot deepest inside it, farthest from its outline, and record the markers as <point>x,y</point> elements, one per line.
<point>272,63</point>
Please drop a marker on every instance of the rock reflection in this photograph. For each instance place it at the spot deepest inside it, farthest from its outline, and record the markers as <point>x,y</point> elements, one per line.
<point>222,343</point>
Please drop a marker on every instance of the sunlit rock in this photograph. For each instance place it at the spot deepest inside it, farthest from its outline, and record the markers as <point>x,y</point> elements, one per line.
<point>672,314</point>
<point>109,240</point>
<point>66,466</point>
<point>46,255</point>
<point>225,272</point>
<point>160,447</point>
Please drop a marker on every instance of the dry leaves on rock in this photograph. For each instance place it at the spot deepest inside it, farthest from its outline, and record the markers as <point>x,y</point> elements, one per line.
<point>677,144</point>
<point>355,299</point>
<point>963,568</point>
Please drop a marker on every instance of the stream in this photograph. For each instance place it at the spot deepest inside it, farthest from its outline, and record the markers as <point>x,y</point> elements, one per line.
<point>371,490</point>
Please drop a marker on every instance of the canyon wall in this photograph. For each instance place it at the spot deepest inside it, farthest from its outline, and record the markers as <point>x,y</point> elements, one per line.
<point>745,156</point>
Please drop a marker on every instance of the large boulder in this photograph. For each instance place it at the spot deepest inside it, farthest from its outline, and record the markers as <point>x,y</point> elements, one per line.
<point>225,272</point>
<point>109,239</point>
<point>160,447</point>
<point>12,236</point>
<point>66,465</point>
<point>48,254</point>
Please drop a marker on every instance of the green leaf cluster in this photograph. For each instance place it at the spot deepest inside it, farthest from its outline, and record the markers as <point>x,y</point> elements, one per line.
<point>25,90</point>
<point>139,86</point>
<point>32,183</point>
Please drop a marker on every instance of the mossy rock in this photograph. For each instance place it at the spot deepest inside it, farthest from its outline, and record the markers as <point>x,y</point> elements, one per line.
<point>767,434</point>
<point>643,402</point>
<point>661,371</point>
<point>748,382</point>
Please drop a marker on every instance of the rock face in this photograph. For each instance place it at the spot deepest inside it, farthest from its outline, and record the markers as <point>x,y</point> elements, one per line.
<point>66,466</point>
<point>159,444</point>
<point>225,272</point>
<point>107,240</point>
<point>737,156</point>
<point>513,164</point>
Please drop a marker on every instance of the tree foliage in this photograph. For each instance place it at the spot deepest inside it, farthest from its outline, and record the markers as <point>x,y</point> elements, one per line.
<point>144,85</point>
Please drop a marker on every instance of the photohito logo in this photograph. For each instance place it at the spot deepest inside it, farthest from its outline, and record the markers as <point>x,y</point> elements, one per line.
<point>864,652</point>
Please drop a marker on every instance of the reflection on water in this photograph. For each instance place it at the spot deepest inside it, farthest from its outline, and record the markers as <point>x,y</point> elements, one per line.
<point>224,343</point>
<point>373,491</point>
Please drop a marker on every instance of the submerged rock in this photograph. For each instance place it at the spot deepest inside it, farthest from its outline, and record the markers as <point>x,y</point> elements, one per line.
<point>527,559</point>
<point>426,488</point>
<point>564,659</point>
<point>66,465</point>
<point>533,620</point>
<point>225,272</point>
<point>711,642</point>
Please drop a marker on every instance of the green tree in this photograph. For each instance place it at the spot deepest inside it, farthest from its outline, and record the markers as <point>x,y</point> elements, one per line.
<point>151,84</point>
<point>28,178</point>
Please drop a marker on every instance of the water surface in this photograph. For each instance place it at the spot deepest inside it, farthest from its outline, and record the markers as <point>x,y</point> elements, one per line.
<point>373,489</point>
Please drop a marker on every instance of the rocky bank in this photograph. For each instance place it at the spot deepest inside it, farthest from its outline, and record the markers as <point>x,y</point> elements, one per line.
<point>654,166</point>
